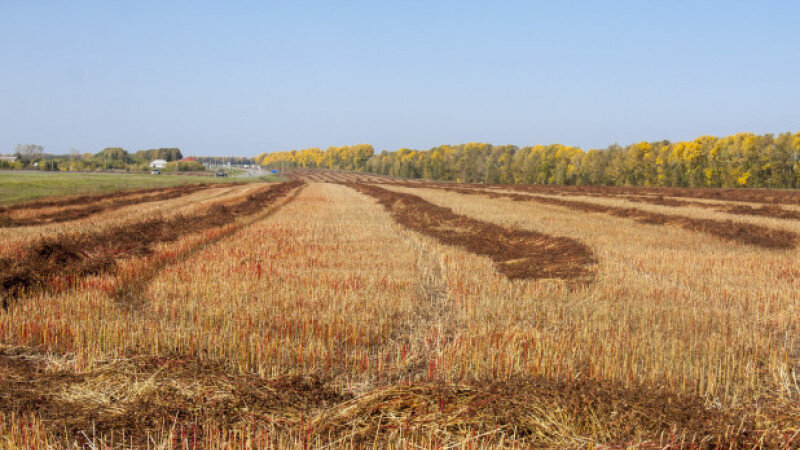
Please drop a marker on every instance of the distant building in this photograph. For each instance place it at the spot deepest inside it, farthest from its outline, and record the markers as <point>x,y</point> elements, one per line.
<point>158,164</point>
<point>8,158</point>
<point>188,159</point>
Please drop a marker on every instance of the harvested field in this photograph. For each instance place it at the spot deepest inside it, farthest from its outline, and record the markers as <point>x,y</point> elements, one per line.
<point>764,211</point>
<point>775,211</point>
<point>766,196</point>
<point>764,203</point>
<point>27,187</point>
<point>87,254</point>
<point>91,205</point>
<point>144,398</point>
<point>518,254</point>
<point>341,314</point>
<point>740,232</point>
<point>12,240</point>
<point>634,195</point>
<point>768,210</point>
<point>83,199</point>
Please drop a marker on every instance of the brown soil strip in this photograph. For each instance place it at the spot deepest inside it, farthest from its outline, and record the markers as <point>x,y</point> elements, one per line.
<point>653,196</point>
<point>140,395</point>
<point>767,196</point>
<point>774,211</point>
<point>770,210</point>
<point>743,233</point>
<point>764,211</point>
<point>97,207</point>
<point>517,254</point>
<point>96,252</point>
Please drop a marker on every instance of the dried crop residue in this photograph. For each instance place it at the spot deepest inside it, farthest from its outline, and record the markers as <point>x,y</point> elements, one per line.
<point>336,176</point>
<point>769,210</point>
<point>100,203</point>
<point>774,211</point>
<point>141,396</point>
<point>537,412</point>
<point>764,211</point>
<point>739,232</point>
<point>90,198</point>
<point>767,196</point>
<point>129,291</point>
<point>653,196</point>
<point>138,396</point>
<point>96,252</point>
<point>517,254</point>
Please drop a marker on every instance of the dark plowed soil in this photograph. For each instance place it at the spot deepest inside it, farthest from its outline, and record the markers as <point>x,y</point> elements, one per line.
<point>93,207</point>
<point>97,252</point>
<point>145,395</point>
<point>743,233</point>
<point>517,254</point>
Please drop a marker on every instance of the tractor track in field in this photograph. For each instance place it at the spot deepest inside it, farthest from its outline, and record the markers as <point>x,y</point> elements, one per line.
<point>96,204</point>
<point>517,254</point>
<point>729,230</point>
<point>83,254</point>
<point>129,293</point>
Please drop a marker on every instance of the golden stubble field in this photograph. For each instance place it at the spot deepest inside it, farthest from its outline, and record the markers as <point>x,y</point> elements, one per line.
<point>316,319</point>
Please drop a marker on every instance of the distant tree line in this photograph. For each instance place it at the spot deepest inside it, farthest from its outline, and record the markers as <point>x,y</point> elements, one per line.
<point>740,160</point>
<point>110,158</point>
<point>352,157</point>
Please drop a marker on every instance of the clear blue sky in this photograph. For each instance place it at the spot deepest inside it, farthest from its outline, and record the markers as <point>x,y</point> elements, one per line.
<point>238,78</point>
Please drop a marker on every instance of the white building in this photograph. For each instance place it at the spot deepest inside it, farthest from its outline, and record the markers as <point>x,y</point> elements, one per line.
<point>158,164</point>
